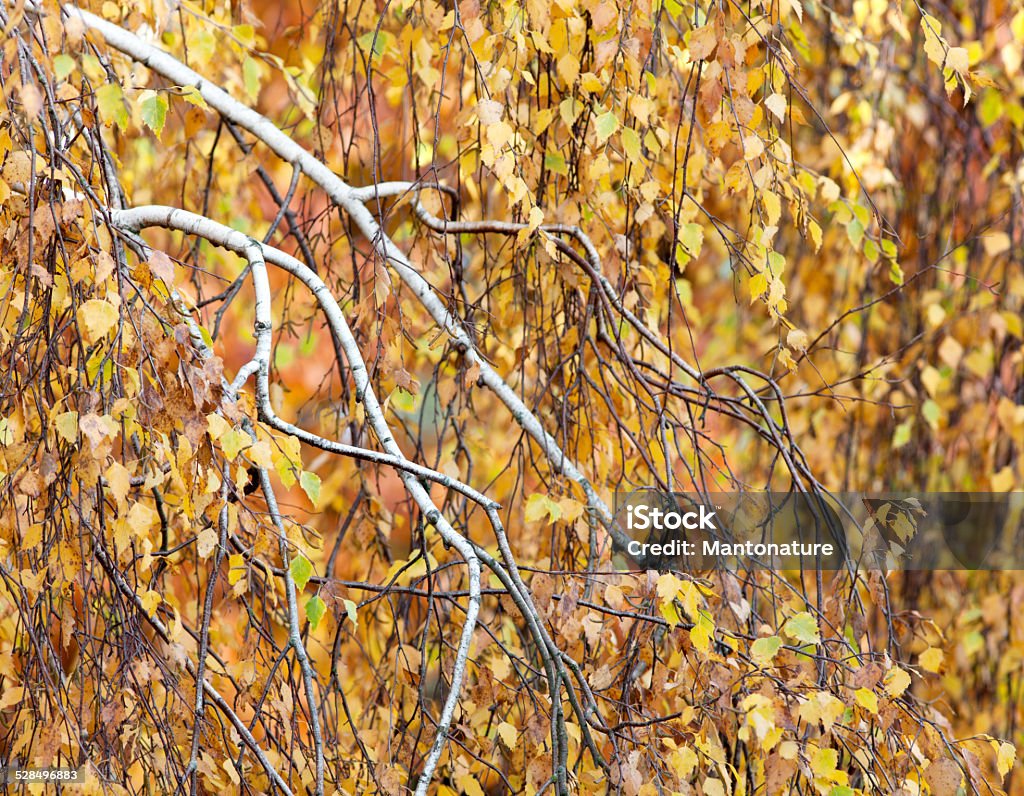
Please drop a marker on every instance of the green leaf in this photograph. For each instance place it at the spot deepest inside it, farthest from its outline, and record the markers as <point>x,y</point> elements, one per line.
<point>902,434</point>
<point>377,39</point>
<point>310,483</point>
<point>871,250</point>
<point>67,426</point>
<point>233,442</point>
<point>606,124</point>
<point>154,111</point>
<point>931,413</point>
<point>251,76</point>
<point>63,65</point>
<point>301,571</point>
<point>803,628</point>
<point>990,109</point>
<point>202,45</point>
<point>350,611</point>
<point>855,232</point>
<point>555,163</point>
<point>315,610</point>
<point>764,649</point>
<point>192,96</point>
<point>110,100</point>
<point>631,144</point>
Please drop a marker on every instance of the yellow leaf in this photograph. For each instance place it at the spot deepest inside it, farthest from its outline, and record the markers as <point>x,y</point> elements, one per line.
<point>684,761</point>
<point>758,286</point>
<point>691,236</point>
<point>96,317</point>
<point>604,125</point>
<point>569,68</point>
<point>753,147</point>
<point>772,207</point>
<point>934,45</point>
<point>542,120</point>
<point>797,339</point>
<point>821,707</point>
<point>590,83</point>
<point>701,42</point>
<point>538,505</point>
<point>206,541</point>
<point>1004,480</point>
<point>702,633</point>
<point>498,134</point>
<point>815,232</point>
<point>824,762</point>
<point>803,628</point>
<point>570,509</point>
<point>930,660</point>
<point>110,100</point>
<point>141,518</point>
<point>829,190</point>
<point>996,243</point>
<point>713,787</point>
<point>233,442</point>
<point>668,587</point>
<point>776,103</point>
<point>261,454</point>
<point>150,602</point>
<point>1006,754</point>
<point>236,569</point>
<point>118,481</point>
<point>67,426</point>
<point>957,59</point>
<point>11,695</point>
<point>469,786</point>
<point>896,682</point>
<point>764,650</point>
<point>33,535</point>
<point>866,699</point>
<point>217,426</point>
<point>509,735</point>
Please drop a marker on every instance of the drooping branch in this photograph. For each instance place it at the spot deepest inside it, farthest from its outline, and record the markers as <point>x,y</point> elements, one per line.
<point>350,200</point>
<point>137,218</point>
<point>211,692</point>
<point>171,218</point>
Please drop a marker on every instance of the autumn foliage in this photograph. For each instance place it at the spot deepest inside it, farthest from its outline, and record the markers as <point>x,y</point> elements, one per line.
<point>481,266</point>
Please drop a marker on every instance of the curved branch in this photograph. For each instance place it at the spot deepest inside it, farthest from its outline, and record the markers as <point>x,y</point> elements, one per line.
<point>351,201</point>
<point>253,251</point>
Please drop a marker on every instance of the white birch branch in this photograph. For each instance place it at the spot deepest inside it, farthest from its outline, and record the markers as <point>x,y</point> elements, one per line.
<point>351,201</point>
<point>173,218</point>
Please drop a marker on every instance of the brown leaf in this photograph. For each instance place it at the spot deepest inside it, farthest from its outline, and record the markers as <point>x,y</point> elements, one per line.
<point>944,777</point>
